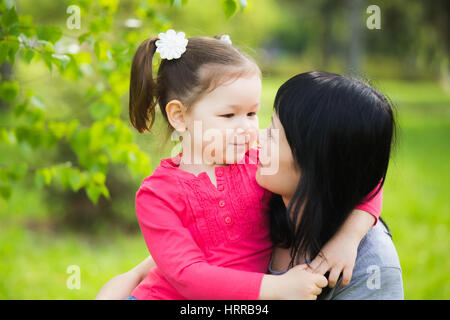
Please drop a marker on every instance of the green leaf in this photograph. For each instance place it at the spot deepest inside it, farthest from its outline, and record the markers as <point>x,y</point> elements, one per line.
<point>9,19</point>
<point>76,179</point>
<point>98,178</point>
<point>229,7</point>
<point>93,192</point>
<point>4,48</point>
<point>42,177</point>
<point>47,57</point>
<point>13,46</point>
<point>20,108</point>
<point>27,55</point>
<point>8,90</point>
<point>85,37</point>
<point>50,34</point>
<point>102,50</point>
<point>61,59</point>
<point>58,128</point>
<point>5,191</point>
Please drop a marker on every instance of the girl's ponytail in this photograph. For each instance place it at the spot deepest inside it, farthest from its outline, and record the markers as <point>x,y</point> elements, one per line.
<point>143,88</point>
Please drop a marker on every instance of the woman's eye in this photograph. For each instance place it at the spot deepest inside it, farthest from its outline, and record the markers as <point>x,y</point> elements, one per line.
<point>228,115</point>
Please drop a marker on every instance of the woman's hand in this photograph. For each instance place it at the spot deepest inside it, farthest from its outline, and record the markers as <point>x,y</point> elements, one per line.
<point>121,286</point>
<point>296,284</point>
<point>337,256</point>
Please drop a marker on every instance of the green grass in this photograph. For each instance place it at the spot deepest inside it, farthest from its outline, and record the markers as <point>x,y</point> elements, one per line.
<point>33,261</point>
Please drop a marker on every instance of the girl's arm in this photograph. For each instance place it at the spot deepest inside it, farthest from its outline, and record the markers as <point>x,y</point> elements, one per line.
<point>184,265</point>
<point>339,254</point>
<point>297,283</point>
<point>372,206</point>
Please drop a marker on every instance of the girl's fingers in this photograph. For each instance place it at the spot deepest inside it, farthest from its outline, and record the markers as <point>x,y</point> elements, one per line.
<point>346,276</point>
<point>321,281</point>
<point>334,275</point>
<point>317,290</point>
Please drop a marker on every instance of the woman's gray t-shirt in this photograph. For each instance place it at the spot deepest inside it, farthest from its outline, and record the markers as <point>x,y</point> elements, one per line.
<point>377,274</point>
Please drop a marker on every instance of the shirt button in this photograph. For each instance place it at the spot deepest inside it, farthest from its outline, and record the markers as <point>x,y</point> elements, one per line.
<point>221,203</point>
<point>220,188</point>
<point>228,220</point>
<point>219,172</point>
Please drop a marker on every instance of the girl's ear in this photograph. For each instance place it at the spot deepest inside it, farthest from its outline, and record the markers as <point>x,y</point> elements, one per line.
<point>176,111</point>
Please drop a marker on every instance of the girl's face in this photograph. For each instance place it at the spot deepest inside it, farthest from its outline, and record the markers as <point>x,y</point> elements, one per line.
<point>275,148</point>
<point>223,124</point>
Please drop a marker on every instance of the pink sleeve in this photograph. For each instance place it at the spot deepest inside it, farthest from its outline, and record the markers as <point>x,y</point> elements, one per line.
<point>373,206</point>
<point>180,259</point>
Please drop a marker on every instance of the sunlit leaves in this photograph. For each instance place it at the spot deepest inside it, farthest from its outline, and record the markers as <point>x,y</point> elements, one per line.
<point>229,7</point>
<point>102,66</point>
<point>48,33</point>
<point>9,21</point>
<point>8,90</point>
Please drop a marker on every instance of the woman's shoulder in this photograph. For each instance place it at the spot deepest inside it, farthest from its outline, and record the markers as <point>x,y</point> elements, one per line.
<point>377,273</point>
<point>377,248</point>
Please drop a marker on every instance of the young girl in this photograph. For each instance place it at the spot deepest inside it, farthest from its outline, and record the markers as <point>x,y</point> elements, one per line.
<point>202,214</point>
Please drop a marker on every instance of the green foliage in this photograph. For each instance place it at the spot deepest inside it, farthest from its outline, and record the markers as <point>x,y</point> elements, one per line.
<point>103,64</point>
<point>231,6</point>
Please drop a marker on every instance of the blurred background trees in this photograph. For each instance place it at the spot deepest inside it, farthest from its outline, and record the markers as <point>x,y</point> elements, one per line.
<point>70,163</point>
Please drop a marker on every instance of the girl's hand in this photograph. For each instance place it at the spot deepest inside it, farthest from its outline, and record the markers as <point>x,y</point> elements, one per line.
<point>337,256</point>
<point>121,286</point>
<point>296,284</point>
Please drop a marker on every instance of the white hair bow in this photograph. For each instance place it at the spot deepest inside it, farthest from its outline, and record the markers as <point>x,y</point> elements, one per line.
<point>171,45</point>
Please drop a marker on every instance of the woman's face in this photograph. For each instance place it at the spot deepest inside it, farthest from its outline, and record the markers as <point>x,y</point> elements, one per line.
<point>275,149</point>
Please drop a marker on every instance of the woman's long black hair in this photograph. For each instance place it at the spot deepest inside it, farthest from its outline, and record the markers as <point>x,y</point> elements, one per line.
<point>340,131</point>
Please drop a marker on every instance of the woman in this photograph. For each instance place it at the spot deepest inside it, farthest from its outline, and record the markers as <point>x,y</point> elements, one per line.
<point>333,148</point>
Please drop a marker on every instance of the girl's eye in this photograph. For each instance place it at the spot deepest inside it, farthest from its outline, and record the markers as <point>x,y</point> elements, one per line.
<point>251,114</point>
<point>228,115</point>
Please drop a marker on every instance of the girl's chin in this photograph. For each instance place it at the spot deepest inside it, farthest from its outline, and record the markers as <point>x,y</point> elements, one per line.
<point>235,157</point>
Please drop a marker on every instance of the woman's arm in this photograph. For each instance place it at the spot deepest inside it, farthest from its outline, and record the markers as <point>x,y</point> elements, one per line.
<point>121,286</point>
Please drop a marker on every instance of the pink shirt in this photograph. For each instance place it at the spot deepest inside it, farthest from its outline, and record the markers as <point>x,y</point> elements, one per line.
<point>208,242</point>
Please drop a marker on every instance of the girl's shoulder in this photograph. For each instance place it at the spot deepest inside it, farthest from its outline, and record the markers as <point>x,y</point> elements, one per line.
<point>164,177</point>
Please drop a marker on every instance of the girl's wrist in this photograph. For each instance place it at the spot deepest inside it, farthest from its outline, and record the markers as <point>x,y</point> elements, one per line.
<point>268,290</point>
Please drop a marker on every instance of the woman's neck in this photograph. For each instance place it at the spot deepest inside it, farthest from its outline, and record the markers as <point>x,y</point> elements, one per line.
<point>286,200</point>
